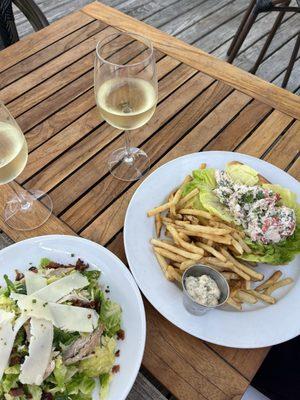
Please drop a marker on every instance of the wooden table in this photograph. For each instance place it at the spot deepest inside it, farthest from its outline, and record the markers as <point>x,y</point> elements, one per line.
<point>46,80</point>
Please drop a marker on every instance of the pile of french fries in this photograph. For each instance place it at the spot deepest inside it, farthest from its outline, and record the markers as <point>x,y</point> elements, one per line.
<point>186,236</point>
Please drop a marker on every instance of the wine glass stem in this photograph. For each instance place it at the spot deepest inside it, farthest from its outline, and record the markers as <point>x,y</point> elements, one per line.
<point>128,157</point>
<point>25,204</point>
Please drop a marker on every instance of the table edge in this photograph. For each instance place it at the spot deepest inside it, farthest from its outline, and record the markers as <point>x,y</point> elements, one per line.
<point>276,97</point>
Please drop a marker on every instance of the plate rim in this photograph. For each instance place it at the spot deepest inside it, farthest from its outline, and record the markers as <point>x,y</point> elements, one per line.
<point>135,194</point>
<point>132,281</point>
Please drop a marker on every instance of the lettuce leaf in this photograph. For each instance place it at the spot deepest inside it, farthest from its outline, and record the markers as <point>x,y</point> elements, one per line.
<point>242,174</point>
<point>104,385</point>
<point>110,316</point>
<point>35,391</point>
<point>103,359</point>
<point>278,253</point>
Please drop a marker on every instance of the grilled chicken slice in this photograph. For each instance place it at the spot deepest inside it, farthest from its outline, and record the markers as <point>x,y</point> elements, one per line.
<point>82,347</point>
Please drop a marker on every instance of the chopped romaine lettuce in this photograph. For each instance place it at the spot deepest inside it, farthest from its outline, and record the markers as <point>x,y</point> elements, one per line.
<point>110,316</point>
<point>103,359</point>
<point>44,262</point>
<point>35,391</point>
<point>104,385</point>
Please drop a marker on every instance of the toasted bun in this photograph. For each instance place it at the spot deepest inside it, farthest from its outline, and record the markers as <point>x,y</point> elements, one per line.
<point>261,179</point>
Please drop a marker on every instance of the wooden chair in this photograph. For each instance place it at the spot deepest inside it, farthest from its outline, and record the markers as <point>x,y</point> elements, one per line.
<point>256,7</point>
<point>8,30</point>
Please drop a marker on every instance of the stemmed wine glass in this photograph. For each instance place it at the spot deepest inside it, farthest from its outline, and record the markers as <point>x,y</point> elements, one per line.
<point>22,211</point>
<point>126,95</point>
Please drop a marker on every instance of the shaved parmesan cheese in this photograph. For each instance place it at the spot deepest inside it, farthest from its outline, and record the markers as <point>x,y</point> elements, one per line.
<point>40,347</point>
<point>34,282</point>
<point>8,334</point>
<point>70,318</point>
<point>62,287</point>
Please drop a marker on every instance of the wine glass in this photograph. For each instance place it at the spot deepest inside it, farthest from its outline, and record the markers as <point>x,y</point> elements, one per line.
<point>22,211</point>
<point>126,95</point>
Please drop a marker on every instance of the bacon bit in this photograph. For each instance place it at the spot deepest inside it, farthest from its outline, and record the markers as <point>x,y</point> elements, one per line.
<point>15,360</point>
<point>121,334</point>
<point>117,353</point>
<point>29,396</point>
<point>81,266</point>
<point>85,304</point>
<point>115,369</point>
<point>47,396</point>
<point>55,265</point>
<point>16,392</point>
<point>33,269</point>
<point>19,275</point>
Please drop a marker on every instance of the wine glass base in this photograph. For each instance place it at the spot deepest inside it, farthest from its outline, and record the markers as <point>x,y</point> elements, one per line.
<point>128,166</point>
<point>28,214</point>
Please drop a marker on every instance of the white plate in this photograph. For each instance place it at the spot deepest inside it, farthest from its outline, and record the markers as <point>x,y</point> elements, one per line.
<point>113,273</point>
<point>258,326</point>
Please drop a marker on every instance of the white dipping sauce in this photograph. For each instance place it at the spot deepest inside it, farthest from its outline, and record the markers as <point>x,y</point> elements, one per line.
<point>203,289</point>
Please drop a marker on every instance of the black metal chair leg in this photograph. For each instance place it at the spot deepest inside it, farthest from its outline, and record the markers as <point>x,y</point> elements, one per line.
<point>291,63</point>
<point>249,23</point>
<point>33,13</point>
<point>240,28</point>
<point>268,41</point>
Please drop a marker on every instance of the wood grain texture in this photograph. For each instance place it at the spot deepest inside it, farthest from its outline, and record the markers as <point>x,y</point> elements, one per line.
<point>69,146</point>
<point>37,41</point>
<point>247,83</point>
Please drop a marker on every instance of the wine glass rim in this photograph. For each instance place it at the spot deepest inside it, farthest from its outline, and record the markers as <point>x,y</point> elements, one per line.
<point>148,43</point>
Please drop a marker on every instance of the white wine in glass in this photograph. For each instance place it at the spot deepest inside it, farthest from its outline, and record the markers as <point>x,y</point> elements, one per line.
<point>22,211</point>
<point>126,95</point>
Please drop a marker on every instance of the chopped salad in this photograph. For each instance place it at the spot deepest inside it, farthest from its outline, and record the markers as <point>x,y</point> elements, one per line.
<point>58,334</point>
<point>268,214</point>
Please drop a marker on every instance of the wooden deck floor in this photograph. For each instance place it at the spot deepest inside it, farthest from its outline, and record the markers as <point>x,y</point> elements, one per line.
<point>210,25</point>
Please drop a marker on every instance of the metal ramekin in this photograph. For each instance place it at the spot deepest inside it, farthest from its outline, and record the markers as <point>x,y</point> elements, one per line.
<point>197,270</point>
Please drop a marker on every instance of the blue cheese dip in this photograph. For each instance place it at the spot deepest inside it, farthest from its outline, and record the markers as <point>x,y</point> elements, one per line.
<point>203,290</point>
<point>256,209</point>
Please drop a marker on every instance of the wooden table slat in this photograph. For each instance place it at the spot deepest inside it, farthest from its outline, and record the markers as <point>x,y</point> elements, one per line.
<point>204,104</point>
<point>237,78</point>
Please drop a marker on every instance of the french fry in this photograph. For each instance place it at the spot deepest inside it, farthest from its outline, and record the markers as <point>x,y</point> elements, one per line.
<point>238,271</point>
<point>196,213</point>
<point>218,224</point>
<point>230,275</point>
<point>193,220</point>
<point>188,197</point>
<point>209,242</point>
<point>215,238</point>
<point>189,203</point>
<point>186,264</point>
<point>277,285</point>
<point>255,275</point>
<point>159,209</point>
<point>269,282</point>
<point>237,246</point>
<point>266,298</point>
<point>187,246</point>
<point>172,206</point>
<point>213,261</point>
<point>248,285</point>
<point>178,195</point>
<point>244,246</point>
<point>202,228</point>
<point>212,251</point>
<point>172,274</point>
<point>174,249</point>
<point>234,304</point>
<point>246,297</point>
<point>184,236</point>
<point>169,254</point>
<point>161,261</point>
<point>202,165</point>
<point>158,224</point>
